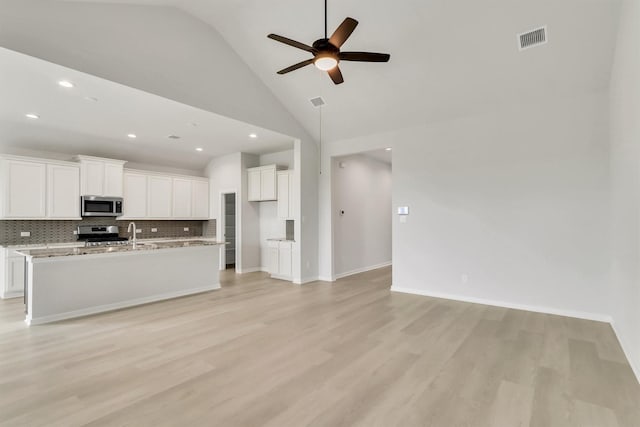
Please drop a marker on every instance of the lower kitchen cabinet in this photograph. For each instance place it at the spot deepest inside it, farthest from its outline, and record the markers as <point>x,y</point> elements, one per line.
<point>279,260</point>
<point>13,277</point>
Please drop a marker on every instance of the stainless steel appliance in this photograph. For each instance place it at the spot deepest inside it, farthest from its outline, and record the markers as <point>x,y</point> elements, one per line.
<point>101,235</point>
<point>101,206</point>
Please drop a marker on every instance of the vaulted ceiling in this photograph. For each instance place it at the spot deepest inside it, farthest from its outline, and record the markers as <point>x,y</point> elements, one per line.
<point>449,58</point>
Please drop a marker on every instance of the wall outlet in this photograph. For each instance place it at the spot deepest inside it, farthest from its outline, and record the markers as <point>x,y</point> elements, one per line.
<point>138,230</point>
<point>464,278</point>
<point>186,229</point>
<point>403,219</point>
<point>75,232</point>
<point>25,234</point>
<point>154,230</point>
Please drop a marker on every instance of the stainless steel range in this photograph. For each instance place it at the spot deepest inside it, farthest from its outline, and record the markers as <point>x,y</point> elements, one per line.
<point>101,235</point>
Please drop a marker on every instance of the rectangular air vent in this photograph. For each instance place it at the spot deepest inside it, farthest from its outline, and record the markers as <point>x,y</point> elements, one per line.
<point>532,38</point>
<point>317,101</point>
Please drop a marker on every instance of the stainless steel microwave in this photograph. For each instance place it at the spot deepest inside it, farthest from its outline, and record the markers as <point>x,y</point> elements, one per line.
<point>101,206</point>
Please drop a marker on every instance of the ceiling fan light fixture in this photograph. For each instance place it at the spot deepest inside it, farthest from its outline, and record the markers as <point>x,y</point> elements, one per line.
<point>325,62</point>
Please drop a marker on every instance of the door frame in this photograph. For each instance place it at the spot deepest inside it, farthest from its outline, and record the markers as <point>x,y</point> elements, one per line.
<point>221,229</point>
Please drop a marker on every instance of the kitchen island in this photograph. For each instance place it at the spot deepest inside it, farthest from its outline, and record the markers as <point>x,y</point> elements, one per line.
<point>63,283</point>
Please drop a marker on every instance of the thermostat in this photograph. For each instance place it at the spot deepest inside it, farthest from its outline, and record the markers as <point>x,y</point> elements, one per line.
<point>403,210</point>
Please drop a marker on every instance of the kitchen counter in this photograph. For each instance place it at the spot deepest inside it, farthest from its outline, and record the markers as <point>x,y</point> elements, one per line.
<point>81,244</point>
<point>65,251</point>
<point>281,239</point>
<point>67,282</point>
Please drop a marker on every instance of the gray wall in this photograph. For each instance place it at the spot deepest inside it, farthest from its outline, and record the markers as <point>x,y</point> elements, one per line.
<point>516,199</point>
<point>625,183</point>
<point>362,236</point>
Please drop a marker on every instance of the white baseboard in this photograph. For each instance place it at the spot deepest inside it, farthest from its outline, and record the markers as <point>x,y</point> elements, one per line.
<point>326,279</point>
<point>249,270</point>
<point>117,306</point>
<point>9,295</point>
<point>538,309</point>
<point>361,270</point>
<point>625,347</point>
<point>306,280</point>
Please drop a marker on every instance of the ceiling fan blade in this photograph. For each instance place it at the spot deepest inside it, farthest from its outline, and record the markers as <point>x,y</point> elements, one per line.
<point>296,66</point>
<point>336,75</point>
<point>364,56</point>
<point>342,33</point>
<point>291,43</point>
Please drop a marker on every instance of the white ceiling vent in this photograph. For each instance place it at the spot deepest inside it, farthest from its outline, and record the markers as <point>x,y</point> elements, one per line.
<point>317,101</point>
<point>533,38</point>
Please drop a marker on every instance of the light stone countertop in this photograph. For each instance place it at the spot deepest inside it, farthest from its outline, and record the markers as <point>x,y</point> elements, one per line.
<point>281,239</point>
<point>79,244</point>
<point>146,245</point>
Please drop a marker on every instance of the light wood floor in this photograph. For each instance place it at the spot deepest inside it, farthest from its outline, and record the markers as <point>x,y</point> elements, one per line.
<point>265,352</point>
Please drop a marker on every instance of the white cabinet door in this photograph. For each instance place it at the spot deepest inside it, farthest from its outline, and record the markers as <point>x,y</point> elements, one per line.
<point>254,191</point>
<point>273,251</point>
<point>63,191</point>
<point>268,190</point>
<point>159,192</point>
<point>200,199</point>
<point>135,195</point>
<point>15,275</point>
<point>113,174</point>
<point>284,195</point>
<point>284,259</point>
<point>181,198</point>
<point>25,189</point>
<point>92,178</point>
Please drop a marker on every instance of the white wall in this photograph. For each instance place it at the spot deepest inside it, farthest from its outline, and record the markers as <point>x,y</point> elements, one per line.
<point>362,236</point>
<point>516,199</point>
<point>625,183</point>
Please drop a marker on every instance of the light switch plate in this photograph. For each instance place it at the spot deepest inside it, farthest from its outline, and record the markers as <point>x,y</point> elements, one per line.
<point>403,210</point>
<point>25,234</point>
<point>186,229</point>
<point>154,230</point>
<point>138,230</point>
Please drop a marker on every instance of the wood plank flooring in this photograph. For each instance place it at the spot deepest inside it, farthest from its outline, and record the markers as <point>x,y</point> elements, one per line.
<point>262,352</point>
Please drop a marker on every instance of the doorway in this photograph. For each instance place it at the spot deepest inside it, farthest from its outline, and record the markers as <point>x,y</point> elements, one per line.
<point>228,257</point>
<point>362,212</point>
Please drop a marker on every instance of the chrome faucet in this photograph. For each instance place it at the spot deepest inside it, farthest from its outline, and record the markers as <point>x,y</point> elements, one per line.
<point>132,229</point>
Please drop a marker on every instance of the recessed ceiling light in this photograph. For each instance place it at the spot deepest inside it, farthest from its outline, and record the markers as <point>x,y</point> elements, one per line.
<point>388,149</point>
<point>32,116</point>
<point>253,135</point>
<point>65,83</point>
<point>173,137</point>
<point>132,135</point>
<point>199,149</point>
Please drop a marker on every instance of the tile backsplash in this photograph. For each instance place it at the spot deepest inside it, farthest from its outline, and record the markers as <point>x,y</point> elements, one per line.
<point>52,231</point>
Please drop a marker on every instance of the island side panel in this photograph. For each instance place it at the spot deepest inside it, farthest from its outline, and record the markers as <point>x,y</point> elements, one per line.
<point>73,286</point>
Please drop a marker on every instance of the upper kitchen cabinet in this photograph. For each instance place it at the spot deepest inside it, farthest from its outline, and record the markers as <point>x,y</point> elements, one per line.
<point>39,189</point>
<point>182,198</point>
<point>262,185</point>
<point>24,189</point>
<point>285,194</point>
<point>135,195</point>
<point>101,177</point>
<point>152,195</point>
<point>63,191</point>
<point>159,201</point>
<point>200,199</point>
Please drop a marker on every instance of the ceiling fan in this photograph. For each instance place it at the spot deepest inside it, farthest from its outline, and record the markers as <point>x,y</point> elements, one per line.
<point>326,52</point>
